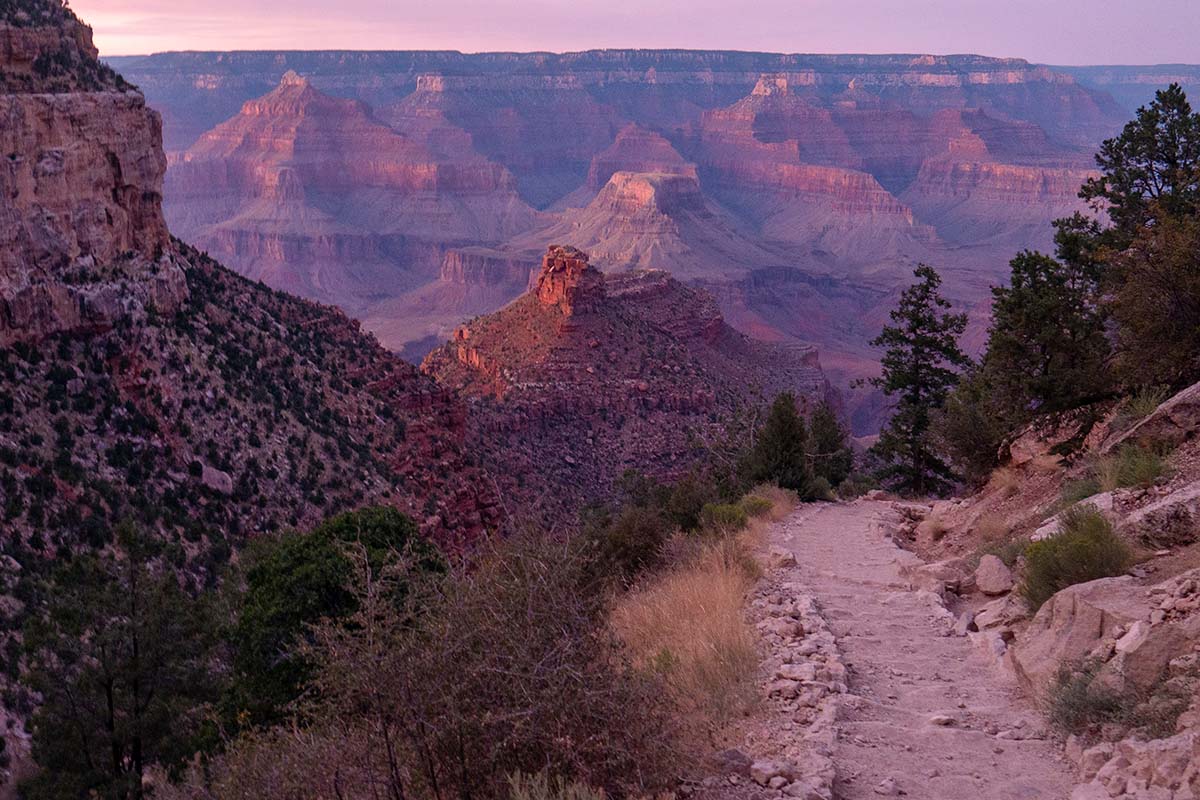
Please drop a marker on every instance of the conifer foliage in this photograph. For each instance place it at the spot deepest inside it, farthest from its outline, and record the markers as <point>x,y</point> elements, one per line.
<point>920,366</point>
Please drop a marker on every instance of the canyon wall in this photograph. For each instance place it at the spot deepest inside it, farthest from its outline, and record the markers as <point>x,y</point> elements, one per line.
<point>372,180</point>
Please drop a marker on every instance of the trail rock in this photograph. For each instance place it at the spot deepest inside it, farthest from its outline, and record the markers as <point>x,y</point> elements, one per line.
<point>992,577</point>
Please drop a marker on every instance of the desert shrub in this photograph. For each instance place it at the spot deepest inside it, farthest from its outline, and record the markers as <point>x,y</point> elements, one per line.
<point>1085,549</point>
<point>1006,480</point>
<point>507,667</point>
<point>688,626</point>
<point>1131,465</point>
<point>542,787</point>
<point>755,506</point>
<point>1079,489</point>
<point>818,488</point>
<point>783,501</point>
<point>686,500</point>
<point>723,518</point>
<point>1139,405</point>
<point>1077,703</point>
<point>629,544</point>
<point>996,539</point>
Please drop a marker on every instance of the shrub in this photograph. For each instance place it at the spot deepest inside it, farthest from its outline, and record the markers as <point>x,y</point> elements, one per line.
<point>1130,466</point>
<point>1084,550</point>
<point>756,506</point>
<point>1079,489</point>
<point>629,545</point>
<point>294,580</point>
<point>818,488</point>
<point>782,501</point>
<point>856,486</point>
<point>723,518</point>
<point>503,668</point>
<point>1077,703</point>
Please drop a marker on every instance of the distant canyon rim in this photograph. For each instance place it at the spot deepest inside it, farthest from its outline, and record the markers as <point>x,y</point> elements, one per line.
<point>417,190</point>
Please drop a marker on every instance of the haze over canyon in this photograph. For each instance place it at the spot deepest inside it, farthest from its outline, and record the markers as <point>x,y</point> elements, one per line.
<point>418,189</point>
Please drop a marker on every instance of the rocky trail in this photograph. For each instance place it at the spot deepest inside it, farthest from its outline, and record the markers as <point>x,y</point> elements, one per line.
<point>917,710</point>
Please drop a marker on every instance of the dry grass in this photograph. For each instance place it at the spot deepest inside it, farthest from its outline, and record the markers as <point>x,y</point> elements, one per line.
<point>782,501</point>
<point>688,624</point>
<point>1007,481</point>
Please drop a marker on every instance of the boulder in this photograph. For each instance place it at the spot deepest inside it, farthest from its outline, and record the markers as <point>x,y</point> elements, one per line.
<point>1172,423</point>
<point>1071,624</point>
<point>217,480</point>
<point>1142,655</point>
<point>1000,613</point>
<point>992,577</point>
<point>937,577</point>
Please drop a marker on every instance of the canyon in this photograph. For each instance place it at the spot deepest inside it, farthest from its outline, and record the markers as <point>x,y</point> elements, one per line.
<point>419,189</point>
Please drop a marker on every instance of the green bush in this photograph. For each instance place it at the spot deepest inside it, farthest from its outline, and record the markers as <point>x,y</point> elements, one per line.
<point>755,506</point>
<point>295,579</point>
<point>1084,550</point>
<point>1078,704</point>
<point>1080,489</point>
<point>632,543</point>
<point>723,518</point>
<point>818,488</point>
<point>1132,465</point>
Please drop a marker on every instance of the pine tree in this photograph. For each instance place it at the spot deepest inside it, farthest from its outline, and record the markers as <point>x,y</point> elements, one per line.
<point>122,658</point>
<point>1046,347</point>
<point>920,366</point>
<point>1152,168</point>
<point>778,455</point>
<point>828,453</point>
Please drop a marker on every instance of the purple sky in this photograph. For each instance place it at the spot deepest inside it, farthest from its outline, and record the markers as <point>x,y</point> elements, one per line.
<point>1053,31</point>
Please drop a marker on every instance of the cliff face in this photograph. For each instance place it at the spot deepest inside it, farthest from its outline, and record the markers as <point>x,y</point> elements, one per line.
<point>312,194</point>
<point>590,374</point>
<point>83,244</point>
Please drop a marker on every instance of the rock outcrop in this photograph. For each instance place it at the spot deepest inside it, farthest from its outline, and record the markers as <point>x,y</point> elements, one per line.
<point>588,375</point>
<point>83,244</point>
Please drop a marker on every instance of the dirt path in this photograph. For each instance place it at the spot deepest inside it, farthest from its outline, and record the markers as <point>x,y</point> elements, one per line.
<point>925,716</point>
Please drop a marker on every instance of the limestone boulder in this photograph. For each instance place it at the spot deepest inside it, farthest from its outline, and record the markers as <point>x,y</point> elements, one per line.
<point>993,577</point>
<point>1072,623</point>
<point>1172,423</point>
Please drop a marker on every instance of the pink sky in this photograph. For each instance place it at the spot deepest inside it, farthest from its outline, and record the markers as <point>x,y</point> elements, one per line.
<point>1053,31</point>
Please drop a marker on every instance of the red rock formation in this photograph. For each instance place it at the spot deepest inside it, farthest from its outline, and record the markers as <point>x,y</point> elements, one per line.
<point>82,238</point>
<point>589,374</point>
